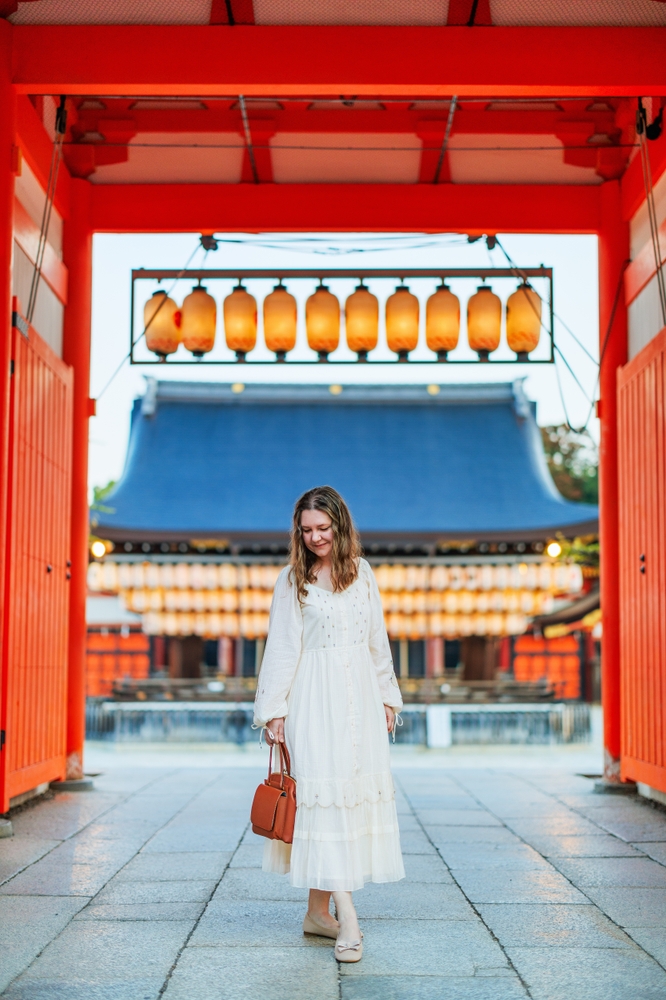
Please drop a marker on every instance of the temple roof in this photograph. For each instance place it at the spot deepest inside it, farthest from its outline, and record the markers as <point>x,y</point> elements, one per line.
<point>464,462</point>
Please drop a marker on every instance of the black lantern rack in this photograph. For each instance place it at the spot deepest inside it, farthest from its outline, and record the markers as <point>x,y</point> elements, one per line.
<point>359,274</point>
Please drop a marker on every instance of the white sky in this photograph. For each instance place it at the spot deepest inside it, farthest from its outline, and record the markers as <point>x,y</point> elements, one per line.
<point>573,258</point>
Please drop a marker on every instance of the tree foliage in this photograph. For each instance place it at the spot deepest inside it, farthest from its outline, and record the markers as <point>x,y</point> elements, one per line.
<point>573,461</point>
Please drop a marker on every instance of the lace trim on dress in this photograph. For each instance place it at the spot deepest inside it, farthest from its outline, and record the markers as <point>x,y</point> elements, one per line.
<point>341,792</point>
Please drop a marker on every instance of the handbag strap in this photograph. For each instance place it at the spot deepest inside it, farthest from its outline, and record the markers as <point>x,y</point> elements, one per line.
<point>285,762</point>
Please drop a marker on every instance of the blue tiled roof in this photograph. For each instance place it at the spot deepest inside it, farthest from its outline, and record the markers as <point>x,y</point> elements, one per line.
<point>205,461</point>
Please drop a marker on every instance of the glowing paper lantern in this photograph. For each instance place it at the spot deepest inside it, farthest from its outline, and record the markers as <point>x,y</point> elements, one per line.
<point>484,321</point>
<point>198,321</point>
<point>240,321</point>
<point>161,321</point>
<point>322,322</point>
<point>523,321</point>
<point>362,322</point>
<point>442,322</point>
<point>280,322</point>
<point>402,322</point>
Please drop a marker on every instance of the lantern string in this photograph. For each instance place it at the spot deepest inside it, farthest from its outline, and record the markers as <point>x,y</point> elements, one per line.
<point>175,281</point>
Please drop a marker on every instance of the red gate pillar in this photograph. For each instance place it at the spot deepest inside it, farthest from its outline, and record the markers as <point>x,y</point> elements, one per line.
<point>77,253</point>
<point>7,154</point>
<point>613,252</point>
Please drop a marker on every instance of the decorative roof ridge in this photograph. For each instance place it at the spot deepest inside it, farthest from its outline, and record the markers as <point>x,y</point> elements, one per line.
<point>231,393</point>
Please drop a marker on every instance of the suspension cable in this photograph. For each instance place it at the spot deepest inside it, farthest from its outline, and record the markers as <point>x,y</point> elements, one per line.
<point>56,156</point>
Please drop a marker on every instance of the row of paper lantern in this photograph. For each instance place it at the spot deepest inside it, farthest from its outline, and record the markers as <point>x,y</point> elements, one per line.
<point>157,599</point>
<point>250,625</point>
<point>254,625</point>
<point>528,602</point>
<point>454,626</point>
<point>194,324</point>
<point>554,577</point>
<point>112,576</point>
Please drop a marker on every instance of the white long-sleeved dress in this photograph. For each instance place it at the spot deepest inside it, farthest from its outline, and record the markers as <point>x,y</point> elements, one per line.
<point>327,668</point>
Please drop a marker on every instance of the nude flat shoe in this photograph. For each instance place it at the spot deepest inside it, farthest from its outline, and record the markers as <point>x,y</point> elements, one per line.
<point>311,926</point>
<point>349,951</point>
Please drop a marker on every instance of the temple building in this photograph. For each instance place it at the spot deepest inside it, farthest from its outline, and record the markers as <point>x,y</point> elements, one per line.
<point>448,486</point>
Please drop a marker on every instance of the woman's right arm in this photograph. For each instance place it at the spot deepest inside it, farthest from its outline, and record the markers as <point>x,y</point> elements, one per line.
<point>282,653</point>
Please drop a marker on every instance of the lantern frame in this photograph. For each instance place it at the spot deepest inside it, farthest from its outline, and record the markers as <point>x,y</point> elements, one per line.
<point>360,275</point>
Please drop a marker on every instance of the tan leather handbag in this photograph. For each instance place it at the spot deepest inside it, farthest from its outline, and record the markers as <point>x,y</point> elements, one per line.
<point>274,807</point>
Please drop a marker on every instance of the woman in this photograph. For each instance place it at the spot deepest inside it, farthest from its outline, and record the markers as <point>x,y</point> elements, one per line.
<point>327,687</point>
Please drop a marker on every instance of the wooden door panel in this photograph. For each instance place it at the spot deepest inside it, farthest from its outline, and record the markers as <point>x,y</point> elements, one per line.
<point>34,667</point>
<point>642,500</point>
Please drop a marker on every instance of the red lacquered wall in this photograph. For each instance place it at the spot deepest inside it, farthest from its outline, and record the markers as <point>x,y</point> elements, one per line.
<point>34,654</point>
<point>642,508</point>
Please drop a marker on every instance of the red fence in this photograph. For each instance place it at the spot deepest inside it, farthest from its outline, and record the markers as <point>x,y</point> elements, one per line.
<point>34,658</point>
<point>112,655</point>
<point>642,480</point>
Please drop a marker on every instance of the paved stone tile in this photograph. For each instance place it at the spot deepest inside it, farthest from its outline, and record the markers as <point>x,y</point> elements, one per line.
<point>428,947</point>
<point>598,846</point>
<point>142,911</point>
<point>251,922</point>
<point>156,892</point>
<point>26,927</point>
<point>247,973</point>
<point>405,900</point>
<point>652,940</point>
<point>437,800</point>
<point>415,842</point>
<point>63,815</point>
<point>425,868</point>
<point>563,826</point>
<point>525,925</point>
<point>430,988</point>
<point>476,857</point>
<point>630,872</point>
<point>470,835</point>
<point>457,817</point>
<point>635,831</point>
<point>248,856</point>
<point>146,867</point>
<point>517,887</point>
<point>656,850</point>
<point>17,852</point>
<point>53,878</point>
<point>82,849</point>
<point>631,907</point>
<point>196,837</point>
<point>249,883</point>
<point>116,958</point>
<point>582,973</point>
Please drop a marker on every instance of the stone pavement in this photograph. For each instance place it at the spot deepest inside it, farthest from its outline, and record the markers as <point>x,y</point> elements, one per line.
<point>520,883</point>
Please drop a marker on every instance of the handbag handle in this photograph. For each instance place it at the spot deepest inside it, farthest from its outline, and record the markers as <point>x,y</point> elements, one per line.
<point>285,762</point>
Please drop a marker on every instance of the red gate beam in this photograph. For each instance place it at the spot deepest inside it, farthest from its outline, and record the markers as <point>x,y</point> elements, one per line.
<point>465,208</point>
<point>362,60</point>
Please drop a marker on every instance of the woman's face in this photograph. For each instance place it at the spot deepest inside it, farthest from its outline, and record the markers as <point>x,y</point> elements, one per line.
<point>317,531</point>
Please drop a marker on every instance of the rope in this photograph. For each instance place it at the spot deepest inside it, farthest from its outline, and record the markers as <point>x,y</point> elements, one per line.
<point>56,156</point>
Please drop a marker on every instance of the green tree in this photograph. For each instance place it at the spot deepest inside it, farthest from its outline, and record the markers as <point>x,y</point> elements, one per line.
<point>573,461</point>
<point>100,493</point>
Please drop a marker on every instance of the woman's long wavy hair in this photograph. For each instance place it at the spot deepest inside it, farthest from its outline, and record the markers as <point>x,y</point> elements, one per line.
<point>346,543</point>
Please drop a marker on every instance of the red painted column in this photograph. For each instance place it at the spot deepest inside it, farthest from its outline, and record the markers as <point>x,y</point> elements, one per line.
<point>613,252</point>
<point>7,140</point>
<point>77,253</point>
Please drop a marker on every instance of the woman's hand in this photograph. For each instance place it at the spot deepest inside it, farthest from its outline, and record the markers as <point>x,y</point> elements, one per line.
<point>390,718</point>
<point>275,732</point>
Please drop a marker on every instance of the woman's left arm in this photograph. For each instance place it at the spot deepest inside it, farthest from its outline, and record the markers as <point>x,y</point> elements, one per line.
<point>380,648</point>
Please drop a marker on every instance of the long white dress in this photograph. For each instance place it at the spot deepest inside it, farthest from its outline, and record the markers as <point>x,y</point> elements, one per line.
<point>327,668</point>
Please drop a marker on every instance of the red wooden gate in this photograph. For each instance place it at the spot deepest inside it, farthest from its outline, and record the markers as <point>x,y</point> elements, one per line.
<point>642,499</point>
<point>34,657</point>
